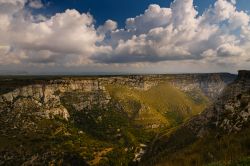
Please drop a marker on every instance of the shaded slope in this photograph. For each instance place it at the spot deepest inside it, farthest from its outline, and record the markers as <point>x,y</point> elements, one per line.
<point>221,133</point>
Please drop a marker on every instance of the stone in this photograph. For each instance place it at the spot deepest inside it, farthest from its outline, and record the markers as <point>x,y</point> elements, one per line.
<point>8,97</point>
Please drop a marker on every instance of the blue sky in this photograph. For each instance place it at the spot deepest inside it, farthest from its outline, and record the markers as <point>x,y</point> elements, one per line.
<point>128,36</point>
<point>103,10</point>
<point>119,10</point>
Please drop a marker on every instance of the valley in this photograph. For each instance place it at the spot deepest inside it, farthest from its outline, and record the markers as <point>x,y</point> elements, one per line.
<point>100,120</point>
<point>217,136</point>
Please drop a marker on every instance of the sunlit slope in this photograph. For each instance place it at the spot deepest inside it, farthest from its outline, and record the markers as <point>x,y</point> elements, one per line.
<point>220,135</point>
<point>162,105</point>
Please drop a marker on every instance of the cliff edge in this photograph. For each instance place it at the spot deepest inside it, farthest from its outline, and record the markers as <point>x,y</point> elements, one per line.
<point>217,134</point>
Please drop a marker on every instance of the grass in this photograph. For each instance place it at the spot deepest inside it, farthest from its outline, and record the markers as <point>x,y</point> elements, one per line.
<point>127,122</point>
<point>240,162</point>
<point>182,148</point>
<point>110,125</point>
<point>162,105</point>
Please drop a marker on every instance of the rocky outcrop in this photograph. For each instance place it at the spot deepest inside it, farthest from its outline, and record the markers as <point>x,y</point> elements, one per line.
<point>205,135</point>
<point>91,92</point>
<point>210,84</point>
<point>26,106</point>
<point>231,113</point>
<point>48,96</point>
<point>233,110</point>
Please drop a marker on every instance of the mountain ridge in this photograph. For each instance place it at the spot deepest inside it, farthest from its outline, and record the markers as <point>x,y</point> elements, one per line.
<point>223,123</point>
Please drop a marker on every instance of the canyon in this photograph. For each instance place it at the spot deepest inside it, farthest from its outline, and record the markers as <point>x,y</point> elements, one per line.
<point>219,135</point>
<point>47,93</point>
<point>83,116</point>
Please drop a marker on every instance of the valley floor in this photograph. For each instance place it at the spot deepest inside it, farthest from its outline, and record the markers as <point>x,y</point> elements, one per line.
<point>101,121</point>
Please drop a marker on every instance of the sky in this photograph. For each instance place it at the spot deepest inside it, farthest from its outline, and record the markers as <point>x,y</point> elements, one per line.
<point>132,36</point>
<point>111,9</point>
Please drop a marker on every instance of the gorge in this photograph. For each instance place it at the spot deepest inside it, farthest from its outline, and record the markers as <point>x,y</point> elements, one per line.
<point>109,120</point>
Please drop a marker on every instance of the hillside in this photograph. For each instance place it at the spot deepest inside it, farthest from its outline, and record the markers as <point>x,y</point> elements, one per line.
<point>162,105</point>
<point>96,120</point>
<point>218,136</point>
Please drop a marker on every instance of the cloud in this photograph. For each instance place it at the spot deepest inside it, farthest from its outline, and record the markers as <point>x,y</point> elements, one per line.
<point>238,20</point>
<point>108,26</point>
<point>229,50</point>
<point>59,40</point>
<point>233,2</point>
<point>153,17</point>
<point>11,6</point>
<point>176,34</point>
<point>36,4</point>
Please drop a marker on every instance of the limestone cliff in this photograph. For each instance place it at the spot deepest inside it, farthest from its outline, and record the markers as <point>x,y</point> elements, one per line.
<point>55,120</point>
<point>46,95</point>
<point>231,112</point>
<point>210,84</point>
<point>218,133</point>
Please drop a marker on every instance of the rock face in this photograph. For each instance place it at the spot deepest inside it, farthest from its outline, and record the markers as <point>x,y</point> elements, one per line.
<point>210,84</point>
<point>44,120</point>
<point>231,112</point>
<point>47,95</point>
<point>218,132</point>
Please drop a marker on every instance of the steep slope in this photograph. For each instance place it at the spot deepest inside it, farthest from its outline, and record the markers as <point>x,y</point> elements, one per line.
<point>161,106</point>
<point>95,120</point>
<point>220,134</point>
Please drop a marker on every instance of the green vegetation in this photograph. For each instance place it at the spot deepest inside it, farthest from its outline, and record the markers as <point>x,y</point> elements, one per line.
<point>110,125</point>
<point>97,134</point>
<point>181,147</point>
<point>241,162</point>
<point>50,141</point>
<point>162,105</point>
<point>132,118</point>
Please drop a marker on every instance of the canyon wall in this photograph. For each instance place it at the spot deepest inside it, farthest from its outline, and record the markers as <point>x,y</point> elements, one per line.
<point>46,95</point>
<point>230,112</point>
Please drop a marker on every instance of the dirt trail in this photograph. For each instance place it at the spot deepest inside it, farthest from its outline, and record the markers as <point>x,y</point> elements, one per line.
<point>99,156</point>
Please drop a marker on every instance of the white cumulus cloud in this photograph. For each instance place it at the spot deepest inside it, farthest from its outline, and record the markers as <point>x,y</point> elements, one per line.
<point>220,35</point>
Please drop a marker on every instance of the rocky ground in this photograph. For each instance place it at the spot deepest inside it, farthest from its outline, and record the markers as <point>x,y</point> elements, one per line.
<point>98,120</point>
<point>219,134</point>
